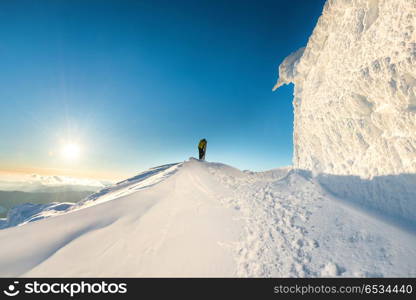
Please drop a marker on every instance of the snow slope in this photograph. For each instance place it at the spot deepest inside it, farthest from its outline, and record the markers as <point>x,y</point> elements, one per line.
<point>209,219</point>
<point>355,103</point>
<point>155,224</point>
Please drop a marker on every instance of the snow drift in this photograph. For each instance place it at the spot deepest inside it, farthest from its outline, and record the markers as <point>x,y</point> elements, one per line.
<point>152,224</point>
<point>355,102</point>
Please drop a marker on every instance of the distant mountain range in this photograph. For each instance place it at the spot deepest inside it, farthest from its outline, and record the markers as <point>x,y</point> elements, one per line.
<point>42,183</point>
<point>10,199</point>
<point>16,189</point>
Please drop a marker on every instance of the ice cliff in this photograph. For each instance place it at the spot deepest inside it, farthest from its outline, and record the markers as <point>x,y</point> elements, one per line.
<point>355,101</point>
<point>355,89</point>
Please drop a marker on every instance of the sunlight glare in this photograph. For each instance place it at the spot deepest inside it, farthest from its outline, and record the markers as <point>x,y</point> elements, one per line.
<point>71,151</point>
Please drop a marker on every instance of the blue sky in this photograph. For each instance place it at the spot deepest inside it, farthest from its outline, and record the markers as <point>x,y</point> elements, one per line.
<point>136,84</point>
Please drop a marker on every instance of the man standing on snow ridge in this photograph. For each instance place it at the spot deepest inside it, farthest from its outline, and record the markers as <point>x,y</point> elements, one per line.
<point>202,147</point>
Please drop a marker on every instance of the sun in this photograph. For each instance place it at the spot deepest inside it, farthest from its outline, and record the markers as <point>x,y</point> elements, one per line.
<point>71,151</point>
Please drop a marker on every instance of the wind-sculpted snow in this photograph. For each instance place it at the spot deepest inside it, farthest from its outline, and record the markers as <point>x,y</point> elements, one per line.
<point>355,103</point>
<point>30,212</point>
<point>355,90</point>
<point>141,181</point>
<point>288,68</point>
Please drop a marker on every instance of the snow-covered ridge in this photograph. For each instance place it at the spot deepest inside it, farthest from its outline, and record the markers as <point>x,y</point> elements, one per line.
<point>208,219</point>
<point>126,187</point>
<point>355,90</point>
<point>28,212</point>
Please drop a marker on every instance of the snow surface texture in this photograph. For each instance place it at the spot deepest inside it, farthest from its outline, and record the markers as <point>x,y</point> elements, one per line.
<point>355,102</point>
<point>209,219</point>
